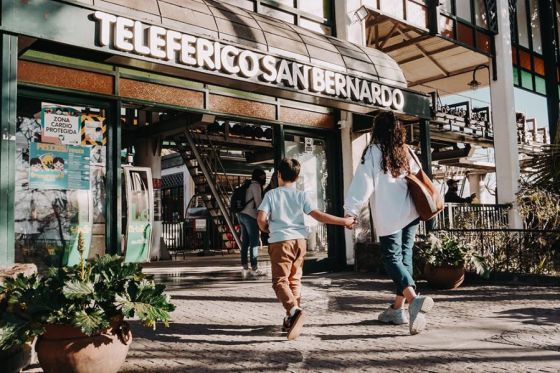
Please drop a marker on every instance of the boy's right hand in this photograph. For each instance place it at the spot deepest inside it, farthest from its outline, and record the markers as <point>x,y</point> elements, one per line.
<point>349,222</point>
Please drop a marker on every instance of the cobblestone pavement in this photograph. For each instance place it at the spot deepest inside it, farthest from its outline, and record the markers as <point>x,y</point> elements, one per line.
<point>223,324</point>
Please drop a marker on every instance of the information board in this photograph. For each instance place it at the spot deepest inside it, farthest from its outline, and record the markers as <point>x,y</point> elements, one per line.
<point>59,166</point>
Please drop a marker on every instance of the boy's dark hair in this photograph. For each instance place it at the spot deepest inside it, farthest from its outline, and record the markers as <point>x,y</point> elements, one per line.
<point>58,160</point>
<point>35,161</point>
<point>289,169</point>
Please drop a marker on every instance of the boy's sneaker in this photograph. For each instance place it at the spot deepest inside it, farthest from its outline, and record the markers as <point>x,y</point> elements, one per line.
<point>286,324</point>
<point>416,311</point>
<point>295,324</point>
<point>393,316</point>
<point>245,273</point>
<point>258,273</point>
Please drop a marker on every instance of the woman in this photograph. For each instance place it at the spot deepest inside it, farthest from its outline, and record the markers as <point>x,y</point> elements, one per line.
<point>250,236</point>
<point>381,175</point>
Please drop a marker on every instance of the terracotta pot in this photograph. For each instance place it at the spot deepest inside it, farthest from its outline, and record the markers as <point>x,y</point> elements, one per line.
<point>64,348</point>
<point>16,358</point>
<point>444,277</point>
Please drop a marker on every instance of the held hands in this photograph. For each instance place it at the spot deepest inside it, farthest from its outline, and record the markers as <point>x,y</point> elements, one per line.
<point>350,222</point>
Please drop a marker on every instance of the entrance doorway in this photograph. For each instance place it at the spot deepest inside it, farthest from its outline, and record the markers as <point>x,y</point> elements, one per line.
<point>212,156</point>
<point>311,154</point>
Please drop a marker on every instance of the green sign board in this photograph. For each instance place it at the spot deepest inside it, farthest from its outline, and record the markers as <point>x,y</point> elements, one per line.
<point>138,241</point>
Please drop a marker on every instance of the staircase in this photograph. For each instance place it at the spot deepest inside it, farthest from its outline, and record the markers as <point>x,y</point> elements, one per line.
<point>202,159</point>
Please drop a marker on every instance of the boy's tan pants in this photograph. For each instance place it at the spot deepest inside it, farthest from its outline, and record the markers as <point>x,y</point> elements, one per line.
<point>286,262</point>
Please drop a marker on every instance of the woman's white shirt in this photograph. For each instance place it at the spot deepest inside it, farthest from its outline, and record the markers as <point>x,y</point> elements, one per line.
<point>391,205</point>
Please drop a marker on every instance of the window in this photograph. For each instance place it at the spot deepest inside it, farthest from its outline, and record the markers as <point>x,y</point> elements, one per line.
<point>393,8</point>
<point>463,9</point>
<point>558,28</point>
<point>315,15</point>
<point>319,8</point>
<point>536,27</point>
<point>416,13</point>
<point>60,181</point>
<point>527,47</point>
<point>522,31</point>
<point>278,14</point>
<point>480,13</point>
<point>467,21</point>
<point>446,6</point>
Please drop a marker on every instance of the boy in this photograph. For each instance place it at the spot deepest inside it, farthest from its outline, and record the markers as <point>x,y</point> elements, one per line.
<point>281,214</point>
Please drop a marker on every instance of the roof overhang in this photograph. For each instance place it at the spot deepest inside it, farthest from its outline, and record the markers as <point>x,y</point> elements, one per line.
<point>222,44</point>
<point>429,62</point>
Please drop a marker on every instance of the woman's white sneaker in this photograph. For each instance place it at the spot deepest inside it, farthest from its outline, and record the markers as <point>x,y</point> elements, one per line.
<point>393,316</point>
<point>416,313</point>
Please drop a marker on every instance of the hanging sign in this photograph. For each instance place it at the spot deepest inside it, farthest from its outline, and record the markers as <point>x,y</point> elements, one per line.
<point>61,124</point>
<point>58,166</point>
<point>173,47</point>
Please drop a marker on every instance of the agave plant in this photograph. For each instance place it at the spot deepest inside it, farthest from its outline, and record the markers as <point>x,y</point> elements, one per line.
<point>88,296</point>
<point>545,166</point>
<point>444,250</point>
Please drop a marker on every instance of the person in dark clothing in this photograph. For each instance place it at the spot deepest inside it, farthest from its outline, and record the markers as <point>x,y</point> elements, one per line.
<point>452,195</point>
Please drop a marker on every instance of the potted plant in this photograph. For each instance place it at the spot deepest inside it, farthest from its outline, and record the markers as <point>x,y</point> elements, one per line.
<point>446,259</point>
<point>78,313</point>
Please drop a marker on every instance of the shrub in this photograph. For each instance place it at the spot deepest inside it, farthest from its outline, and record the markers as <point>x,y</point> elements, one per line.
<point>88,296</point>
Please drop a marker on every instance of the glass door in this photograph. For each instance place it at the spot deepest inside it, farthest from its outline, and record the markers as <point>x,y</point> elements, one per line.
<point>311,153</point>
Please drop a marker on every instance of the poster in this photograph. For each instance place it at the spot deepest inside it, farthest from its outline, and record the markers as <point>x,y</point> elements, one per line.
<point>61,124</point>
<point>59,166</point>
<point>94,130</point>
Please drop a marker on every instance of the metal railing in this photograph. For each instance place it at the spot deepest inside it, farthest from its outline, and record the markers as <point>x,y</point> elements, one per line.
<point>514,250</point>
<point>465,215</point>
<point>180,237</point>
<point>468,216</point>
<point>485,229</point>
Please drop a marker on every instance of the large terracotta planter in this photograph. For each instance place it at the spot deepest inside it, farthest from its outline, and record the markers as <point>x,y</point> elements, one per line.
<point>64,348</point>
<point>15,359</point>
<point>444,277</point>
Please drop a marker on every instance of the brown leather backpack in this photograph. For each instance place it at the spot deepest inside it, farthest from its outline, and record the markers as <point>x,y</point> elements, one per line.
<point>426,198</point>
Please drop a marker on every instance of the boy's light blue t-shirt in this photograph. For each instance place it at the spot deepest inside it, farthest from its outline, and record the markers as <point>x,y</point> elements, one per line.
<point>285,208</point>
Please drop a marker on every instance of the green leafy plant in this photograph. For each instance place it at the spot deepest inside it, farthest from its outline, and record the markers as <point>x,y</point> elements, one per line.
<point>545,168</point>
<point>443,250</point>
<point>88,296</point>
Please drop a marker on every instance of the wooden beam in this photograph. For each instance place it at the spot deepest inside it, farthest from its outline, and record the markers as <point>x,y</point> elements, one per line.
<point>434,79</point>
<point>425,54</point>
<point>388,36</point>
<point>406,43</point>
<point>420,56</point>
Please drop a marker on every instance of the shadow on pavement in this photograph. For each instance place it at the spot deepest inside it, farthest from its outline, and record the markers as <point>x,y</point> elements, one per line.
<point>533,316</point>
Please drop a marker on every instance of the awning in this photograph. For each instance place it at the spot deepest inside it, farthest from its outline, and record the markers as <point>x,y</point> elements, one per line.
<point>216,20</point>
<point>307,66</point>
<point>429,62</point>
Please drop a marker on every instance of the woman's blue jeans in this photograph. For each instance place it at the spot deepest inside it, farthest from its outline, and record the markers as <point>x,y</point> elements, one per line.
<point>250,241</point>
<point>397,255</point>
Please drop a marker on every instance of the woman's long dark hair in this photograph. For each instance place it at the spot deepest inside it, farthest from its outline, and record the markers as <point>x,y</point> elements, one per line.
<point>390,136</point>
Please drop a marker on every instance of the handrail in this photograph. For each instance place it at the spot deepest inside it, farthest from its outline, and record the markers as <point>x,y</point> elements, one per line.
<point>215,189</point>
<point>217,169</point>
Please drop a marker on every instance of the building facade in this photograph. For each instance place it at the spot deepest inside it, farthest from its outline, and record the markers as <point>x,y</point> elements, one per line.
<point>96,93</point>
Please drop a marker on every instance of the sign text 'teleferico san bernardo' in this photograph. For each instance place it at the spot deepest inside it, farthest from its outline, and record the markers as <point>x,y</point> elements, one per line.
<point>168,45</point>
